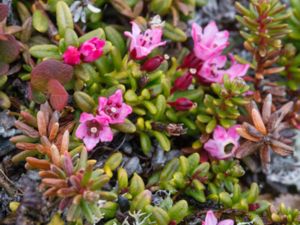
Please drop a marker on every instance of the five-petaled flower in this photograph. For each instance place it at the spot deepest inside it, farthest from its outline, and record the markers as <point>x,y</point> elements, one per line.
<point>114,108</point>
<point>93,129</point>
<point>210,41</point>
<point>211,219</point>
<point>213,71</point>
<point>142,44</point>
<point>224,143</point>
<point>92,49</point>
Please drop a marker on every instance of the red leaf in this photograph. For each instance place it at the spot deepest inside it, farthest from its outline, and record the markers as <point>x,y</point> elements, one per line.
<point>48,70</point>
<point>58,94</point>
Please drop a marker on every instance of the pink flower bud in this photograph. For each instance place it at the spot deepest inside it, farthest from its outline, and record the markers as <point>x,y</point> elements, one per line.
<point>182,104</point>
<point>152,63</point>
<point>182,83</point>
<point>92,49</point>
<point>71,56</point>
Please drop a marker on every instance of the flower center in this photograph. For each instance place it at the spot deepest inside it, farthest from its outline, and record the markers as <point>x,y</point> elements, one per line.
<point>228,148</point>
<point>94,130</point>
<point>113,109</point>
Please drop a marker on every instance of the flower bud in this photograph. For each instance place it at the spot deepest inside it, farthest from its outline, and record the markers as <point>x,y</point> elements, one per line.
<point>182,104</point>
<point>182,83</point>
<point>152,63</point>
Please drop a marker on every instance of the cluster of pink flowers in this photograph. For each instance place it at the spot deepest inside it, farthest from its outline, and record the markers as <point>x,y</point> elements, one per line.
<point>142,44</point>
<point>206,63</point>
<point>89,51</point>
<point>211,219</point>
<point>95,129</point>
<point>224,143</point>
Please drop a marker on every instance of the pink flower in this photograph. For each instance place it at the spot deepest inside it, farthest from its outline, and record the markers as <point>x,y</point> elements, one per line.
<point>210,41</point>
<point>114,108</point>
<point>211,219</point>
<point>71,56</point>
<point>182,104</point>
<point>142,45</point>
<point>93,129</point>
<point>224,142</point>
<point>92,49</point>
<point>213,70</point>
<point>235,70</point>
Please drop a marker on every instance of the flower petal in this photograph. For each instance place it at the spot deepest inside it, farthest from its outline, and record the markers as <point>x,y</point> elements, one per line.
<point>226,222</point>
<point>90,142</point>
<point>81,131</point>
<point>210,218</point>
<point>85,117</point>
<point>106,134</point>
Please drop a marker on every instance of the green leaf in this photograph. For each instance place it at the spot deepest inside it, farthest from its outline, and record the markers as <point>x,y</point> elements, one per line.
<point>40,21</point>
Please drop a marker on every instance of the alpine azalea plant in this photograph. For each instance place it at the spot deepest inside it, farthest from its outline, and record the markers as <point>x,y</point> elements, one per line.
<point>128,119</point>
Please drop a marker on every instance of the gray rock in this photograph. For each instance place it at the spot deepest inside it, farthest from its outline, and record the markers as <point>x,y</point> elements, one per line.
<point>7,125</point>
<point>132,165</point>
<point>286,170</point>
<point>5,147</point>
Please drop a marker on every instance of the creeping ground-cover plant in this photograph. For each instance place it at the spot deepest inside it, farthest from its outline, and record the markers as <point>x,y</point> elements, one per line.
<point>149,112</point>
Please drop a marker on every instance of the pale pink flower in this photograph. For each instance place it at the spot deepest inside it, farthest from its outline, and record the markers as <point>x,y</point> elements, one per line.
<point>211,219</point>
<point>71,56</point>
<point>235,70</point>
<point>114,108</point>
<point>93,129</point>
<point>142,44</point>
<point>210,41</point>
<point>224,143</point>
<point>210,71</point>
<point>92,49</point>
<point>213,71</point>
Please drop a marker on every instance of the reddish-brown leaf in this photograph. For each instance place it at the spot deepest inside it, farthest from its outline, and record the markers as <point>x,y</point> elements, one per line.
<point>50,70</point>
<point>58,95</point>
<point>247,148</point>
<point>9,49</point>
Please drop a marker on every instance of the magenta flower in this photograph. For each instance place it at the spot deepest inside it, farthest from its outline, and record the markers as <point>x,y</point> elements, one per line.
<point>213,70</point>
<point>211,219</point>
<point>224,143</point>
<point>92,49</point>
<point>93,129</point>
<point>71,56</point>
<point>142,45</point>
<point>182,104</point>
<point>114,108</point>
<point>210,41</point>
